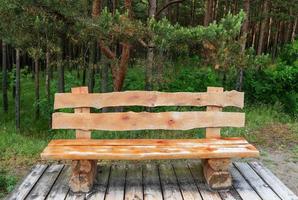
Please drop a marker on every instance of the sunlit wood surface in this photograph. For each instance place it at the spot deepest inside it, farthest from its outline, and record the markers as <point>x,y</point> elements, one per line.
<point>148,149</point>
<point>152,180</point>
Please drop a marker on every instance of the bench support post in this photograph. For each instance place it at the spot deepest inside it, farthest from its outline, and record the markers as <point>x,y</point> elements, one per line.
<point>83,175</point>
<point>216,171</point>
<point>83,171</point>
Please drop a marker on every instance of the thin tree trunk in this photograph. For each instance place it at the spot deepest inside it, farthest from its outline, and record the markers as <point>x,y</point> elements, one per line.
<point>263,28</point>
<point>36,80</point>
<point>244,30</point>
<point>275,45</point>
<point>150,51</point>
<point>269,34</point>
<point>18,90</point>
<point>61,67</point>
<point>91,67</point>
<point>48,76</point>
<point>294,30</point>
<point>4,78</point>
<point>208,12</point>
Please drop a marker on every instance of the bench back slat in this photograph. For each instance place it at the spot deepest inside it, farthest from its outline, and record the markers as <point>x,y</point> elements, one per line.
<point>148,99</point>
<point>146,121</point>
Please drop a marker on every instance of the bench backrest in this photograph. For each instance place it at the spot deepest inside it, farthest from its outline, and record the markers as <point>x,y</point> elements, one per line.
<point>84,121</point>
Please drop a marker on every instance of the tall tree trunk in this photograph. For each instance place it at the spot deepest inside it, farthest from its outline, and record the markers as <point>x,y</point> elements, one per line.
<point>150,50</point>
<point>36,81</point>
<point>4,78</point>
<point>61,77</point>
<point>263,28</point>
<point>18,90</point>
<point>48,76</point>
<point>91,67</point>
<point>61,66</point>
<point>294,30</point>
<point>275,45</point>
<point>246,5</point>
<point>208,12</point>
<point>269,34</point>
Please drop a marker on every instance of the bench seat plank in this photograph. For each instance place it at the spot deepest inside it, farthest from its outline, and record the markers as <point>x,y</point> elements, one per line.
<point>147,142</point>
<point>135,150</point>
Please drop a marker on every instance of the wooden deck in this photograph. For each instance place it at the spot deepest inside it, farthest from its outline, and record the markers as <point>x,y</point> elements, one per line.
<point>176,180</point>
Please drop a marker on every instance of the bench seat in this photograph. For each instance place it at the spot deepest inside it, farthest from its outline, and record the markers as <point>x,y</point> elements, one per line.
<point>148,149</point>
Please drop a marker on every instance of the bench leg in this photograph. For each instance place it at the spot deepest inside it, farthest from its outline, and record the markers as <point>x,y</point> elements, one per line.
<point>83,175</point>
<point>216,173</point>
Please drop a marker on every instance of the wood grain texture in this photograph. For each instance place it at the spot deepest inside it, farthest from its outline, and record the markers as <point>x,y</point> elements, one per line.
<point>81,134</point>
<point>22,190</point>
<point>148,142</point>
<point>116,186</point>
<point>216,180</point>
<point>256,182</point>
<point>101,183</point>
<point>133,183</point>
<point>151,182</point>
<point>148,152</point>
<point>75,196</point>
<point>60,188</point>
<point>148,99</point>
<point>144,120</point>
<point>169,183</point>
<point>83,174</point>
<point>242,186</point>
<point>197,173</point>
<point>213,132</point>
<point>187,185</point>
<point>279,187</point>
<point>41,190</point>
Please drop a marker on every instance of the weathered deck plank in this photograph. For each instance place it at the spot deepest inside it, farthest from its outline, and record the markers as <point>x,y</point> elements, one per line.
<point>45,183</point>
<point>242,186</point>
<point>175,180</point>
<point>256,182</point>
<point>186,183</point>
<point>280,189</point>
<point>152,187</point>
<point>134,181</point>
<point>23,189</point>
<point>169,183</point>
<point>197,173</point>
<point>101,183</point>
<point>60,188</point>
<point>116,183</point>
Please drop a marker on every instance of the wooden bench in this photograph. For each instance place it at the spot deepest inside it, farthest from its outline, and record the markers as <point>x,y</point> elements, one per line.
<point>84,152</point>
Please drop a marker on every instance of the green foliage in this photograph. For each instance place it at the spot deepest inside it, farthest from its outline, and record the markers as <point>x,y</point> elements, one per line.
<point>274,84</point>
<point>7,182</point>
<point>168,36</point>
<point>289,54</point>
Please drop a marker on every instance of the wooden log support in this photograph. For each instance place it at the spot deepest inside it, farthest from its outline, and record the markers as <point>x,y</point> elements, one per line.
<point>83,175</point>
<point>83,171</point>
<point>216,171</point>
<point>217,174</point>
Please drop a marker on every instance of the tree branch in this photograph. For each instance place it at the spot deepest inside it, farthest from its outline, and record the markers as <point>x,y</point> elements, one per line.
<point>167,5</point>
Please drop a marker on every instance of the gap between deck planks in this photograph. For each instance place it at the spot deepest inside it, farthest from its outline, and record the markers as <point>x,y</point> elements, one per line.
<point>168,180</point>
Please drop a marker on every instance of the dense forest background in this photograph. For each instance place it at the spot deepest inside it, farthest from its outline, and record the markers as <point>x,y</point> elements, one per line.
<point>50,46</point>
<point>180,45</point>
